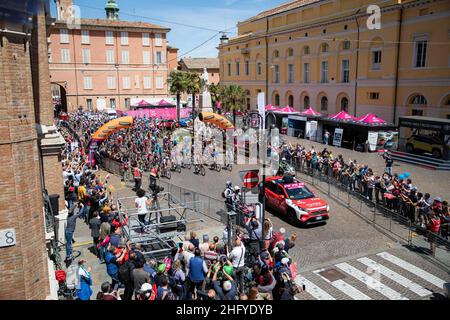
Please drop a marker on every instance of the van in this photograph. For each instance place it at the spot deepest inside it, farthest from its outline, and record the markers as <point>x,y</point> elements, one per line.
<point>111,113</point>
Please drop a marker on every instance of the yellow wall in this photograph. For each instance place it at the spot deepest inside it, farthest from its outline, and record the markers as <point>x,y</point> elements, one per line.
<point>288,30</point>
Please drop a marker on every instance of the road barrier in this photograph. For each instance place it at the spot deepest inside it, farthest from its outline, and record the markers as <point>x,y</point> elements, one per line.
<point>375,212</point>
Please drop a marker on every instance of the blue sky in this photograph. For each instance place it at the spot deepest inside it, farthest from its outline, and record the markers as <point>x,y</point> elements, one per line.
<point>211,14</point>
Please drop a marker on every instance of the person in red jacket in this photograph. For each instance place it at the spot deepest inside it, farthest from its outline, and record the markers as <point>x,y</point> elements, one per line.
<point>434,225</point>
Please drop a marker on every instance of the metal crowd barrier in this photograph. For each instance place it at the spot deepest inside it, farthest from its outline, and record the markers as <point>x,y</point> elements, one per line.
<point>377,213</point>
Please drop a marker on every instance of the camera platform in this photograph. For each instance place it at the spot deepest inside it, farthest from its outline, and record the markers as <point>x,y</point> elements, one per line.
<point>164,225</point>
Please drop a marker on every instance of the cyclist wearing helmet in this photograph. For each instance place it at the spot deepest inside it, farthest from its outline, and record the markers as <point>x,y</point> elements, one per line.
<point>237,194</point>
<point>228,193</point>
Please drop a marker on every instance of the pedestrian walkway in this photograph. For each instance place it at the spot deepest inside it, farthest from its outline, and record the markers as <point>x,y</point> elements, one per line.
<point>393,275</point>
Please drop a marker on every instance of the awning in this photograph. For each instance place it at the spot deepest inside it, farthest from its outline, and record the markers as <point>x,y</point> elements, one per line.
<point>370,118</point>
<point>311,112</point>
<point>342,116</point>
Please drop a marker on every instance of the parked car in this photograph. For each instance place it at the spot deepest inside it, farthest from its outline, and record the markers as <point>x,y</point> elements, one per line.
<point>295,201</point>
<point>112,114</point>
<point>430,144</point>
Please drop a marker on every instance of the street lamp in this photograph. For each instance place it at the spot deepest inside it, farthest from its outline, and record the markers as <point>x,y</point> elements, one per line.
<point>261,135</point>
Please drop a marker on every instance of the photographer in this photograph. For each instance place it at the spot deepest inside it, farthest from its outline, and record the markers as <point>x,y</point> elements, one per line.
<point>254,229</point>
<point>237,257</point>
<point>141,203</point>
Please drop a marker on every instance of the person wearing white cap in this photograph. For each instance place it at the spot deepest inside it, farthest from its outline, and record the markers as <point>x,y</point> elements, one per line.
<point>146,292</point>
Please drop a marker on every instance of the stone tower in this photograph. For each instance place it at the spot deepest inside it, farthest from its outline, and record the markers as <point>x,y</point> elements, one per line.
<point>112,10</point>
<point>61,8</point>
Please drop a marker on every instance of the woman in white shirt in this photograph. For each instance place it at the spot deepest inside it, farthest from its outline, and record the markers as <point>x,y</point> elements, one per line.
<point>141,204</point>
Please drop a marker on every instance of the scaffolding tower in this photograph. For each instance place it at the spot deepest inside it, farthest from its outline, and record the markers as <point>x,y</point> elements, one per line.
<point>158,234</point>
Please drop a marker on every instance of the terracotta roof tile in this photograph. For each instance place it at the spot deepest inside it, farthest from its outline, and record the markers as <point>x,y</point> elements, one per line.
<point>200,63</point>
<point>281,8</point>
<point>118,24</point>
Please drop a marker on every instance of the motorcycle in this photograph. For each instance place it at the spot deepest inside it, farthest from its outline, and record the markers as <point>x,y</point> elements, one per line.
<point>284,168</point>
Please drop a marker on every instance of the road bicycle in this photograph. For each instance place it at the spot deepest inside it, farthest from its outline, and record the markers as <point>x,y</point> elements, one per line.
<point>165,172</point>
<point>175,167</point>
<point>55,256</point>
<point>228,165</point>
<point>216,166</point>
<point>199,169</point>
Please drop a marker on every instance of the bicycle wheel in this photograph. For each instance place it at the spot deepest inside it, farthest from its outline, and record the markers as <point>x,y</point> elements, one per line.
<point>178,169</point>
<point>218,167</point>
<point>75,254</point>
<point>188,166</point>
<point>202,171</point>
<point>230,167</point>
<point>168,174</point>
<point>57,260</point>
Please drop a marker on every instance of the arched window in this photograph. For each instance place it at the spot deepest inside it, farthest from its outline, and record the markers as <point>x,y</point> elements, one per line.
<point>277,100</point>
<point>306,102</point>
<point>344,104</point>
<point>276,54</point>
<point>305,50</point>
<point>291,101</point>
<point>418,100</point>
<point>324,104</point>
<point>290,52</point>
<point>324,48</point>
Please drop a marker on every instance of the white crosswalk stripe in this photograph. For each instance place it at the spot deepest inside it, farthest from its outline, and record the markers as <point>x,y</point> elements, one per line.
<point>413,269</point>
<point>346,288</point>
<point>388,273</point>
<point>312,289</point>
<point>371,282</point>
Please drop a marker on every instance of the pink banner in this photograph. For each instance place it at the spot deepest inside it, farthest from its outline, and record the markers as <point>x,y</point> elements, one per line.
<point>164,113</point>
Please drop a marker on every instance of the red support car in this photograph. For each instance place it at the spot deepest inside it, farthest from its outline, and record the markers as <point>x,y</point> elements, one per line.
<point>295,201</point>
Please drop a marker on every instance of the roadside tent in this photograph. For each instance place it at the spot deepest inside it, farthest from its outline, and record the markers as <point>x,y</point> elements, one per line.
<point>310,112</point>
<point>371,119</point>
<point>342,116</point>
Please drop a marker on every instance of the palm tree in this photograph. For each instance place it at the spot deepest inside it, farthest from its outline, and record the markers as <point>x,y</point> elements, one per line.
<point>234,99</point>
<point>194,86</point>
<point>215,90</point>
<point>177,85</point>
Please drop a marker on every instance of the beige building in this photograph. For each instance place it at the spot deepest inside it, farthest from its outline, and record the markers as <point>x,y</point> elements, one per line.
<point>197,65</point>
<point>321,53</point>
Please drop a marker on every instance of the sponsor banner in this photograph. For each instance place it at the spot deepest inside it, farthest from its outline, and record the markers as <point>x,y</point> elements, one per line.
<point>373,139</point>
<point>294,185</point>
<point>261,107</point>
<point>337,139</point>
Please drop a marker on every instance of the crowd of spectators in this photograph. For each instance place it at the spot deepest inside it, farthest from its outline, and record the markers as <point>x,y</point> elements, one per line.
<point>209,270</point>
<point>391,190</point>
<point>201,271</point>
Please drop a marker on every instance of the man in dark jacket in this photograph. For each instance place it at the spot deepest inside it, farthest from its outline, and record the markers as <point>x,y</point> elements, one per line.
<point>94,225</point>
<point>126,278</point>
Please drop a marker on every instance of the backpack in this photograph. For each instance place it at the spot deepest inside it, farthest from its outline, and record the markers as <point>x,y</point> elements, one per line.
<point>124,272</point>
<point>168,296</point>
